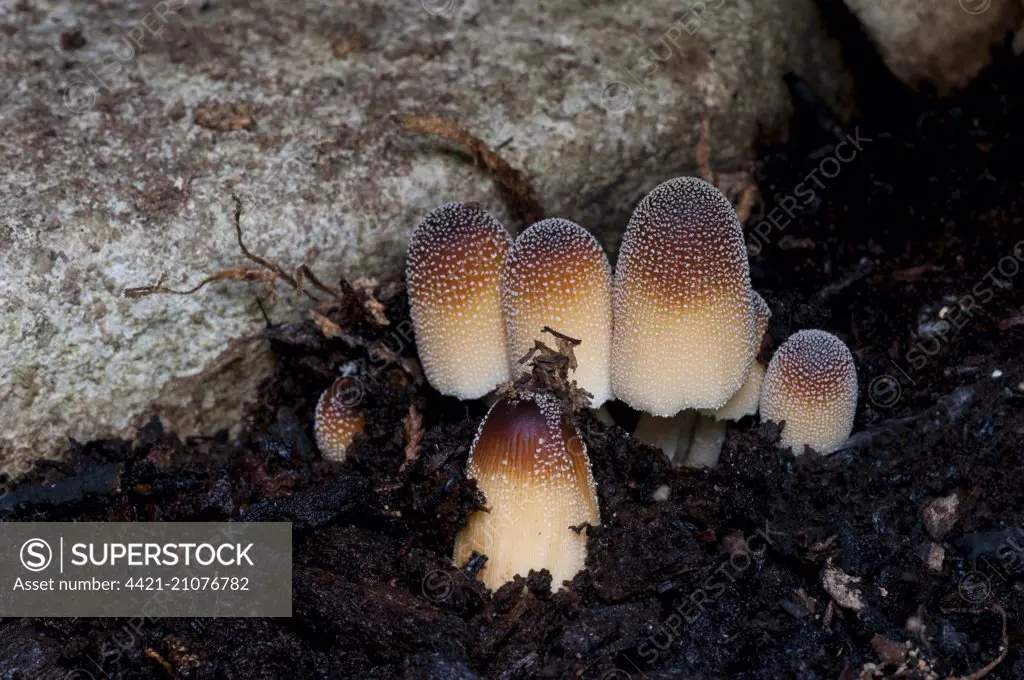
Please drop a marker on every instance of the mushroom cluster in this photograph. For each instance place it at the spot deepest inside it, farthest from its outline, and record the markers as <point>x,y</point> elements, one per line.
<point>674,333</point>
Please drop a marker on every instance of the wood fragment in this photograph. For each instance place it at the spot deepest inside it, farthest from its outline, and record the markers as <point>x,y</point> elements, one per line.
<point>153,654</point>
<point>329,328</point>
<point>1015,320</point>
<point>516,190</point>
<point>550,372</point>
<point>413,426</point>
<point>364,288</point>
<point>914,273</point>
<point>748,198</point>
<point>864,268</point>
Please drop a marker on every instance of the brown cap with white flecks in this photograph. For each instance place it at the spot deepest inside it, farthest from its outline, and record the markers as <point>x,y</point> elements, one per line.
<point>338,419</point>
<point>533,469</point>
<point>683,320</point>
<point>556,274</point>
<point>811,384</point>
<point>453,274</point>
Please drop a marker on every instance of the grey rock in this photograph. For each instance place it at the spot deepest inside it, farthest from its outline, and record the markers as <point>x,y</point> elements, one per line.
<point>109,182</point>
<point>938,46</point>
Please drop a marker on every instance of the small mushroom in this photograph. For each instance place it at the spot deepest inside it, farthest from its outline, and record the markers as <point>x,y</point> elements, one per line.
<point>338,420</point>
<point>684,323</point>
<point>453,272</point>
<point>556,274</point>
<point>811,384</point>
<point>533,470</point>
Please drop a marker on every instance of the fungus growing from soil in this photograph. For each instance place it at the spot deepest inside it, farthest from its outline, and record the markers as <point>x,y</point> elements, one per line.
<point>453,272</point>
<point>337,420</point>
<point>811,384</point>
<point>533,470</point>
<point>682,301</point>
<point>556,274</point>
<point>705,443</point>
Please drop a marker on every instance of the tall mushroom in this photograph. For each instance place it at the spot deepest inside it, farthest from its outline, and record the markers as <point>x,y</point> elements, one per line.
<point>453,272</point>
<point>683,319</point>
<point>556,274</point>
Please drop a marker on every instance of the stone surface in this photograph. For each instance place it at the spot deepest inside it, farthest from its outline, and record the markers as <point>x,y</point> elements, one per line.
<point>937,45</point>
<point>128,126</point>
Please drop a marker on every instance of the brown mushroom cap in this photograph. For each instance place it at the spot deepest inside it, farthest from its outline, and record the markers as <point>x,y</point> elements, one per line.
<point>533,469</point>
<point>683,320</point>
<point>338,419</point>
<point>811,384</point>
<point>453,272</point>
<point>556,274</point>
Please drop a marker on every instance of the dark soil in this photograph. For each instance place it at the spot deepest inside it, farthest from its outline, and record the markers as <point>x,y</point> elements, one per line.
<point>725,577</point>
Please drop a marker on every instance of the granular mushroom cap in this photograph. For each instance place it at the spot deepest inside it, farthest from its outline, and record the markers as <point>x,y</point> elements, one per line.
<point>762,315</point>
<point>453,275</point>
<point>337,420</point>
<point>684,324</point>
<point>811,384</point>
<point>533,470</point>
<point>556,274</point>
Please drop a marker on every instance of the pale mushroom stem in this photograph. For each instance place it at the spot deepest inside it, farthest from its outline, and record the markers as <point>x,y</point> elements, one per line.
<point>603,416</point>
<point>706,446</point>
<point>672,434</point>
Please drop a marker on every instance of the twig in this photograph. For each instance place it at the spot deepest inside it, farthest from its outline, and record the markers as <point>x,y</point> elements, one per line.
<point>514,187</point>
<point>1003,649</point>
<point>304,272</point>
<point>950,407</point>
<point>247,275</point>
<point>748,195</point>
<point>413,426</point>
<point>263,262</point>
<point>263,311</point>
<point>267,274</point>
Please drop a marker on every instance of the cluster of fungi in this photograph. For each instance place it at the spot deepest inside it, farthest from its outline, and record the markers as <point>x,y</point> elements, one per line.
<point>674,333</point>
